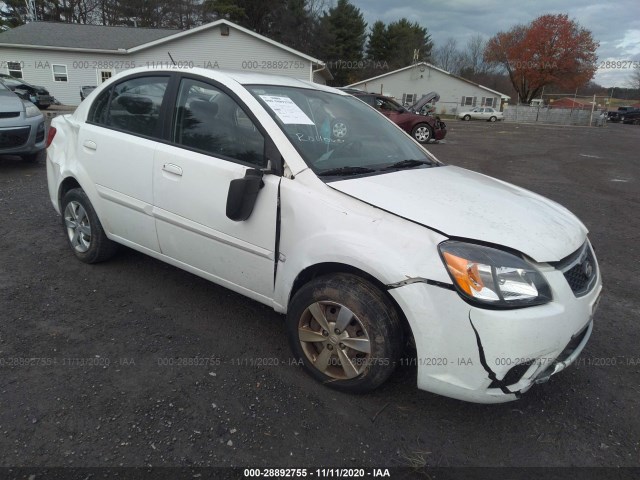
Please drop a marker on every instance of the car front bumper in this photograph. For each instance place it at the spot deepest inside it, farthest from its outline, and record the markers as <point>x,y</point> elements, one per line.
<point>22,136</point>
<point>493,356</point>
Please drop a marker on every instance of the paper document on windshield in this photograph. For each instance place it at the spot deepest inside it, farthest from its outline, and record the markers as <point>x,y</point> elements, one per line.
<point>286,110</point>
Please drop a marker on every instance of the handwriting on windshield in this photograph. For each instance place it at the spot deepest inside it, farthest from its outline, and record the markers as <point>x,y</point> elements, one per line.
<point>303,137</point>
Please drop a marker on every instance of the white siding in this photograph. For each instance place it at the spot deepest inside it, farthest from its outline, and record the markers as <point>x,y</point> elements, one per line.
<point>207,49</point>
<point>412,80</point>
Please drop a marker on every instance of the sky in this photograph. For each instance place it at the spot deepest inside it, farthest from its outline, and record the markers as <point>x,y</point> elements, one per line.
<point>613,23</point>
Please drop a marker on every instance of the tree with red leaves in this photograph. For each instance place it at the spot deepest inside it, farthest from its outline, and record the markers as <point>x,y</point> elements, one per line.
<point>551,50</point>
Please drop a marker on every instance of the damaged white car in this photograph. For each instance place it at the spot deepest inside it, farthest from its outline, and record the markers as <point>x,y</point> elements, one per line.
<point>365,241</point>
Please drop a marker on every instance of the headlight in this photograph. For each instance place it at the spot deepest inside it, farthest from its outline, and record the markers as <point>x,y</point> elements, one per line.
<point>31,110</point>
<point>492,277</point>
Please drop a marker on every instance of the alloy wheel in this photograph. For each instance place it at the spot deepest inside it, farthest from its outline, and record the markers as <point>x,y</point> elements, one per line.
<point>334,340</point>
<point>78,227</point>
<point>422,134</point>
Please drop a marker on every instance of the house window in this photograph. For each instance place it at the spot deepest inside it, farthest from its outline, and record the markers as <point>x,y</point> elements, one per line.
<point>15,69</point>
<point>468,101</point>
<point>59,73</point>
<point>104,75</point>
<point>409,98</point>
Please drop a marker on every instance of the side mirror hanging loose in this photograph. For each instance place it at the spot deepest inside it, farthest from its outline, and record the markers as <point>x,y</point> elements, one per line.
<point>243,193</point>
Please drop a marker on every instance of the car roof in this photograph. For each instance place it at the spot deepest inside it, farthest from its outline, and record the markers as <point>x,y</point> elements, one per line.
<point>241,77</point>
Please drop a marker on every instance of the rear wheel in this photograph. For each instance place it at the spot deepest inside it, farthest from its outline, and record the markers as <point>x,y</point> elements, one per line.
<point>422,133</point>
<point>83,228</point>
<point>346,332</point>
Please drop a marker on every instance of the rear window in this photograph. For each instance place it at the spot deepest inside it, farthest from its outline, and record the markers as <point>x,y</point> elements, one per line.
<point>132,106</point>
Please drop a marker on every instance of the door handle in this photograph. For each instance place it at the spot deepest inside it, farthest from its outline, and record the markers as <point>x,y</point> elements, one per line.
<point>89,144</point>
<point>172,168</point>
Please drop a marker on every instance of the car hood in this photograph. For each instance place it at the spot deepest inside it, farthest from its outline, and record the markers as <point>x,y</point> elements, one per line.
<point>431,96</point>
<point>10,102</point>
<point>465,204</point>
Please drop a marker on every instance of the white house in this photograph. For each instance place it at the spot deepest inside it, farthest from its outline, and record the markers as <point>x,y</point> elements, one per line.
<point>63,57</point>
<point>409,84</point>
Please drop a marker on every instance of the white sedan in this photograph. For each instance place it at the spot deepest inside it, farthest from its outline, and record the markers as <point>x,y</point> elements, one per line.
<point>366,242</point>
<point>482,113</point>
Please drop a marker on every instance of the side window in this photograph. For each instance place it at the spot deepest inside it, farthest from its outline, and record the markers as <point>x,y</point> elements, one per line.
<point>99,108</point>
<point>208,120</point>
<point>134,105</point>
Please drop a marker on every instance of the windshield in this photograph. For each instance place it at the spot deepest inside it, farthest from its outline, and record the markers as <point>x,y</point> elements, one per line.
<point>339,133</point>
<point>12,81</point>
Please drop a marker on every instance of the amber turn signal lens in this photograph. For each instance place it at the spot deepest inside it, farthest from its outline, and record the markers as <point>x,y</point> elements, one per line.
<point>465,273</point>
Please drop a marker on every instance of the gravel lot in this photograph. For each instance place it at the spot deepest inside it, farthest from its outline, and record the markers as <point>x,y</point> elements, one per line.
<point>105,388</point>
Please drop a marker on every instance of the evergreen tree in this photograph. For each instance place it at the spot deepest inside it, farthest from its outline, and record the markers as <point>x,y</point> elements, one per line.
<point>346,29</point>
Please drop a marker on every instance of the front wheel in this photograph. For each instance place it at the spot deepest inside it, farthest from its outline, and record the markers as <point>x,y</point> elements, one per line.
<point>422,133</point>
<point>83,228</point>
<point>347,334</point>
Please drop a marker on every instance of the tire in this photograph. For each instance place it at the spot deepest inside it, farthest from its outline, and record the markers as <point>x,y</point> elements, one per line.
<point>492,119</point>
<point>466,118</point>
<point>356,356</point>
<point>83,229</point>
<point>339,129</point>
<point>422,133</point>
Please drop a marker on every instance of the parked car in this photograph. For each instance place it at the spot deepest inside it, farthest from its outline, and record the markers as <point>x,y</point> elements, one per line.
<point>85,91</point>
<point>632,117</point>
<point>482,113</point>
<point>422,128</point>
<point>364,242</point>
<point>22,129</point>
<point>621,114</point>
<point>37,95</point>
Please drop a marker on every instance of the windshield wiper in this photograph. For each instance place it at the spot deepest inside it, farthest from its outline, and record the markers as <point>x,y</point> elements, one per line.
<point>346,171</point>
<point>408,164</point>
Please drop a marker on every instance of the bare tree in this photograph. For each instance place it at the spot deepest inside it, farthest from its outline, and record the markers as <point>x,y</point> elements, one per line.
<point>634,80</point>
<point>474,64</point>
<point>448,56</point>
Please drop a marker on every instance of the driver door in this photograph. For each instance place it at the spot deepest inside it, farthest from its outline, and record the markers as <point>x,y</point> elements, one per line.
<point>212,142</point>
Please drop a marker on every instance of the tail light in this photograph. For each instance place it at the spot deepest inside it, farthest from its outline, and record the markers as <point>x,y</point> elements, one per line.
<point>50,135</point>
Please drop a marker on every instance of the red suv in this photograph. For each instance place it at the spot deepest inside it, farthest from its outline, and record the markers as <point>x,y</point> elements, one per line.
<point>421,127</point>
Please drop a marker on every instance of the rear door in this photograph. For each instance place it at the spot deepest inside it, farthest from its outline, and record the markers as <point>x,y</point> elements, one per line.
<point>212,140</point>
<point>116,147</point>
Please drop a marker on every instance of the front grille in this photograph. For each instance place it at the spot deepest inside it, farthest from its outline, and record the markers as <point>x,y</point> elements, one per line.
<point>15,137</point>
<point>580,269</point>
<point>9,114</point>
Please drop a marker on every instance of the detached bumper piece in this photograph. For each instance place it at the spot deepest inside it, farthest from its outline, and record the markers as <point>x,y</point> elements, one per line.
<point>568,355</point>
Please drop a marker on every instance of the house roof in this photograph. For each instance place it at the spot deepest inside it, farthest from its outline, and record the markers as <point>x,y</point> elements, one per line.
<point>123,40</point>
<point>502,95</point>
<point>74,35</point>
